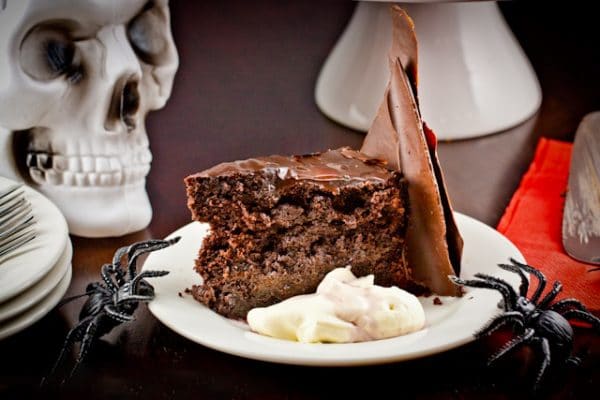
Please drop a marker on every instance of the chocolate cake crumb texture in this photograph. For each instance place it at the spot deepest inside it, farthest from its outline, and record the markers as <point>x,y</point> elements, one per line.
<point>280,224</point>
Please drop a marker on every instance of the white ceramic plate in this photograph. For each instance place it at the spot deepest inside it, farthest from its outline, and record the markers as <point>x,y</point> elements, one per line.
<point>448,325</point>
<point>34,260</point>
<point>34,294</point>
<point>33,314</point>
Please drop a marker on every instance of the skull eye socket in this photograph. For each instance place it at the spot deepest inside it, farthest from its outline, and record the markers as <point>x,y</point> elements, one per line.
<point>47,53</point>
<point>146,34</point>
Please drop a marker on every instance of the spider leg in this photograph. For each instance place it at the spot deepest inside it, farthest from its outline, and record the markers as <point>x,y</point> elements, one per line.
<point>71,298</point>
<point>73,335</point>
<point>136,297</point>
<point>524,286</point>
<point>501,320</point>
<point>556,288</point>
<point>105,272</point>
<point>146,274</point>
<point>86,343</point>
<point>573,361</point>
<point>118,316</point>
<point>146,247</point>
<point>121,251</point>
<point>509,289</point>
<point>476,283</point>
<point>511,345</point>
<point>90,289</point>
<point>583,316</point>
<point>137,249</point>
<point>131,249</point>
<point>540,277</point>
<point>545,347</point>
<point>559,305</point>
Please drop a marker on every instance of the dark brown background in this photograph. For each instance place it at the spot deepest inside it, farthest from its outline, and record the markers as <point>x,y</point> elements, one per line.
<point>244,88</point>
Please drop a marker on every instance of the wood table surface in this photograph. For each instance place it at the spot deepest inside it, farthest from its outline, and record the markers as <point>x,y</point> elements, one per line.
<point>244,88</point>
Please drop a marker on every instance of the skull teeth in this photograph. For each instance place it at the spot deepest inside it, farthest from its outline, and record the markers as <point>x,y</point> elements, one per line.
<point>57,169</point>
<point>88,164</point>
<point>37,176</point>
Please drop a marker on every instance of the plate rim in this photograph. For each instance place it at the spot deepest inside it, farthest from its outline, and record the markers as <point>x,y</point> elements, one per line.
<point>52,234</point>
<point>29,297</point>
<point>310,360</point>
<point>39,310</point>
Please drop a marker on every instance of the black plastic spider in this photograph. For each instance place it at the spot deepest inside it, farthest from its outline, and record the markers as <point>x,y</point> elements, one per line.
<point>539,323</point>
<point>112,301</point>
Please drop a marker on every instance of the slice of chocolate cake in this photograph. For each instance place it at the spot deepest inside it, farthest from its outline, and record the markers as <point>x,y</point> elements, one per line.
<point>280,224</point>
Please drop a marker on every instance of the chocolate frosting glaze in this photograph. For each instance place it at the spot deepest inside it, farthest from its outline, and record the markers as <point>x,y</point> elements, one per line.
<point>330,169</point>
<point>398,136</point>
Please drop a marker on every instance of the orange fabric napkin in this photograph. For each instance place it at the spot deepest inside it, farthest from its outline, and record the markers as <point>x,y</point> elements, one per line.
<point>533,222</point>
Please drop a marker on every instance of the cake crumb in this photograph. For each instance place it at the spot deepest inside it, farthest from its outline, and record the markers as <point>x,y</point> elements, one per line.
<point>437,301</point>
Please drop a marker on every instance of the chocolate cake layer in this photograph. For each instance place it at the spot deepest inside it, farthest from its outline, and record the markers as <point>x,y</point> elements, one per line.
<point>279,224</point>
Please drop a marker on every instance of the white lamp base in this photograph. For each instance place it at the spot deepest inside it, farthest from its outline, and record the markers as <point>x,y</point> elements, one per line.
<point>474,78</point>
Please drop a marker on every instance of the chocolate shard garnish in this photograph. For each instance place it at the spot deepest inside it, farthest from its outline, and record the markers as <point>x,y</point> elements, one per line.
<point>404,46</point>
<point>399,136</point>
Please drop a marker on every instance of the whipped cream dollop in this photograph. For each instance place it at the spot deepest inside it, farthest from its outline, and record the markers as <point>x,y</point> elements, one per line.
<point>344,309</point>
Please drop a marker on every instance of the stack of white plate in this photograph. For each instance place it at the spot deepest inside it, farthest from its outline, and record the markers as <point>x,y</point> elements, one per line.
<point>36,276</point>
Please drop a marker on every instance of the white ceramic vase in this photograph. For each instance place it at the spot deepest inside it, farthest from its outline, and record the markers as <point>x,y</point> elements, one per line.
<point>474,78</point>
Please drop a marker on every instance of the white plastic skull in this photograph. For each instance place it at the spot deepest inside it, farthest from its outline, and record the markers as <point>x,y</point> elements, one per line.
<point>77,78</point>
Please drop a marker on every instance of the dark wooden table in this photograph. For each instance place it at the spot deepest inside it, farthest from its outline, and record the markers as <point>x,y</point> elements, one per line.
<point>245,87</point>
